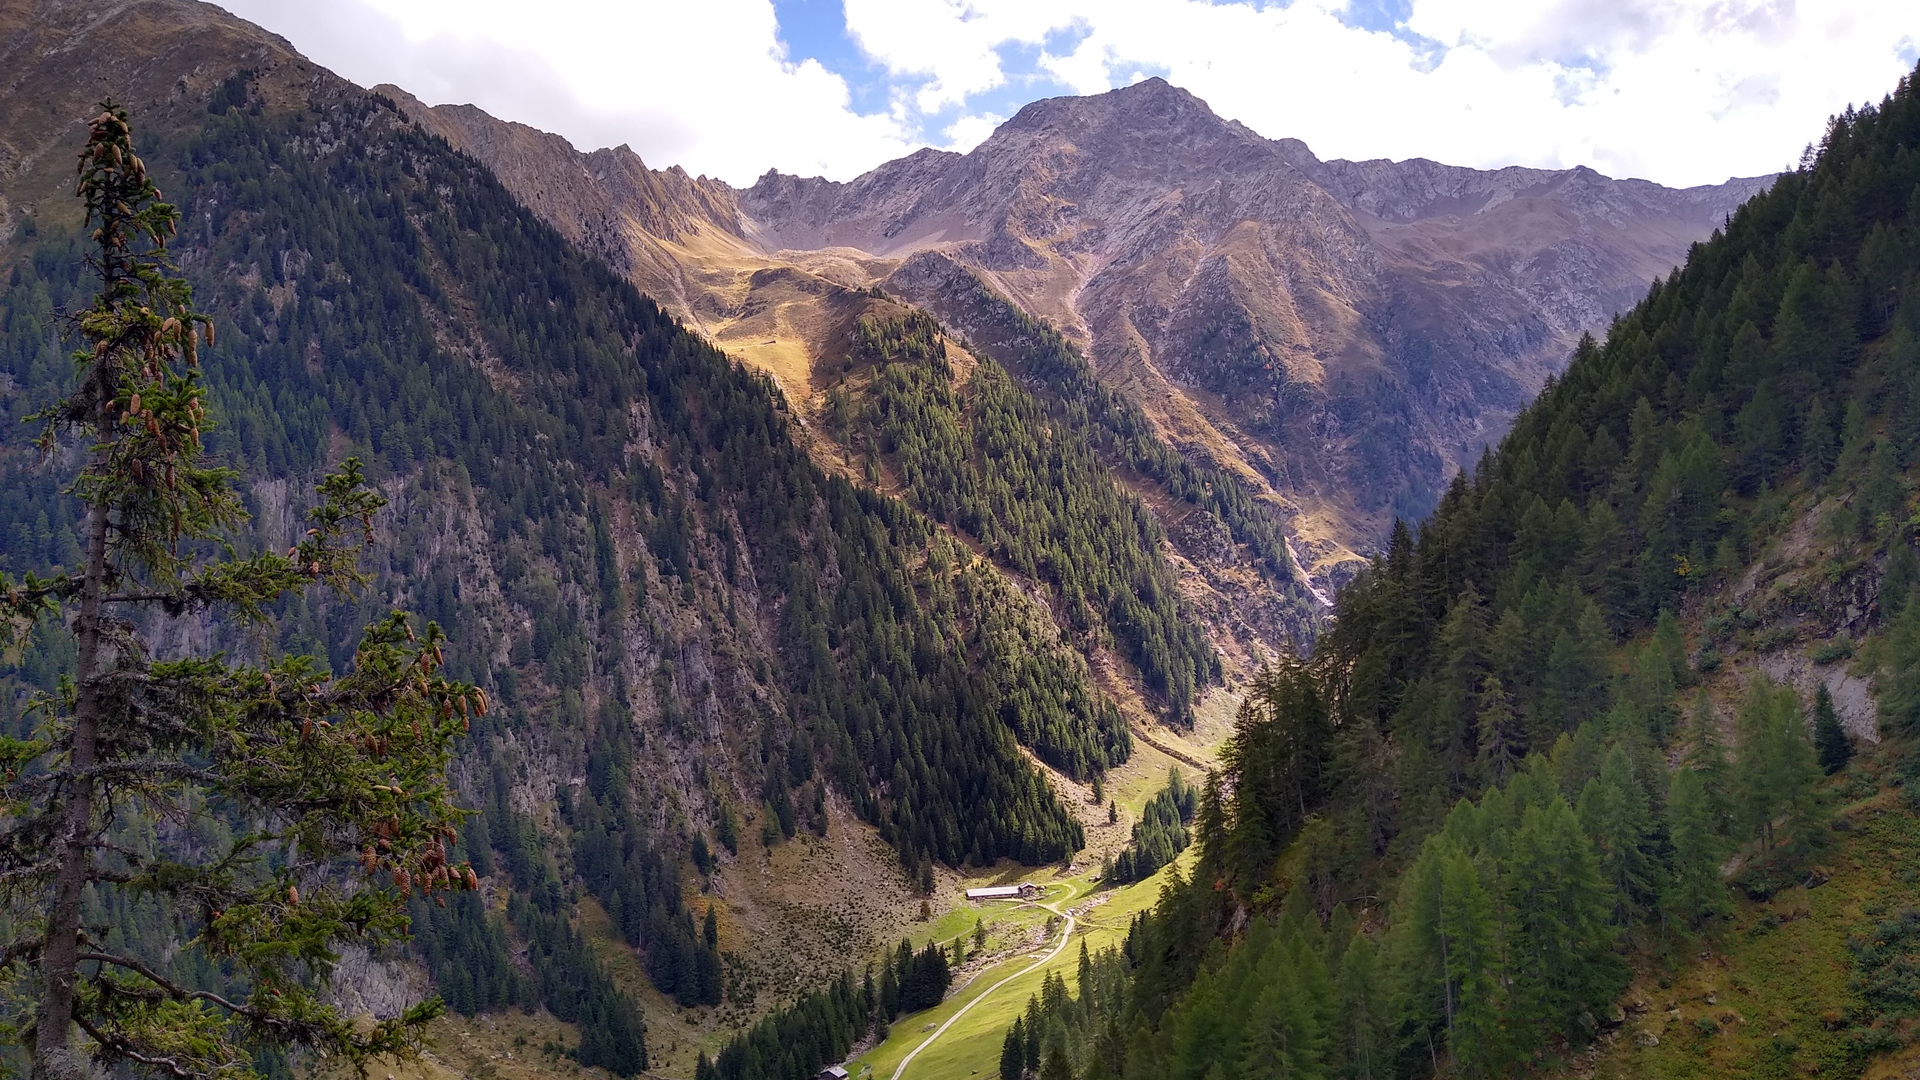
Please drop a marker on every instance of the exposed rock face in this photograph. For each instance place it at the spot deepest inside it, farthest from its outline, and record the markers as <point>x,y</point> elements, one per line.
<point>54,73</point>
<point>1342,334</point>
<point>1354,331</point>
<point>1345,334</point>
<point>647,224</point>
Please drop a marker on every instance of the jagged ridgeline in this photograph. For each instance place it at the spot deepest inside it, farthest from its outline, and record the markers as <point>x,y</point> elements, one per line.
<point>608,516</point>
<point>1497,745</point>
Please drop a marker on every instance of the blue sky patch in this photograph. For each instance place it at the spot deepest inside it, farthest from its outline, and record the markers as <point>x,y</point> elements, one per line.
<point>817,30</point>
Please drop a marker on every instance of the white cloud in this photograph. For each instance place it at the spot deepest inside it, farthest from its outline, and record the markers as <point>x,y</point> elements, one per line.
<point>705,85</point>
<point>970,131</point>
<point>1679,91</point>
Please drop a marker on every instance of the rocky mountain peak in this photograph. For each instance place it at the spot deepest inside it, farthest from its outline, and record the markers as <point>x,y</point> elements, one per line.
<point>1146,105</point>
<point>1150,126</point>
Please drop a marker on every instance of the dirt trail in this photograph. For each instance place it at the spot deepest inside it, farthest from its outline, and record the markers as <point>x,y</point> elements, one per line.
<point>1065,936</point>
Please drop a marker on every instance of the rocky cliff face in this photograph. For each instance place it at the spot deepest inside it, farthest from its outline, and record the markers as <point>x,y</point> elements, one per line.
<point>1352,331</point>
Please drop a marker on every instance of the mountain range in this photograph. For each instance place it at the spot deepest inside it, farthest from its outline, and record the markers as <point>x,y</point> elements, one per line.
<point>1344,335</point>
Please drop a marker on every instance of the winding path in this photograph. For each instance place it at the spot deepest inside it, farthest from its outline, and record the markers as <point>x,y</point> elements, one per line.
<point>1065,936</point>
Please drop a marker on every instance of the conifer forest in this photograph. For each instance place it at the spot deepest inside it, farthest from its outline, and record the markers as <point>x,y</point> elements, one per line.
<point>433,649</point>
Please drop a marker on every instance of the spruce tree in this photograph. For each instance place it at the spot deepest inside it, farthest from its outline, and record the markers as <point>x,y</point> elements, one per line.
<point>1829,738</point>
<point>1819,445</point>
<point>1013,1051</point>
<point>1502,736</point>
<point>1032,1048</point>
<point>314,773</point>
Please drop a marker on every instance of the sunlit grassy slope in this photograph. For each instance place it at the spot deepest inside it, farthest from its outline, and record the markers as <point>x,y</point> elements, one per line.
<point>1770,995</point>
<point>971,1047</point>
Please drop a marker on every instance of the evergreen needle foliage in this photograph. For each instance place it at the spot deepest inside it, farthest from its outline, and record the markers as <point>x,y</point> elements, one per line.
<point>272,813</point>
<point>1829,738</point>
<point>1160,835</point>
<point>1481,752</point>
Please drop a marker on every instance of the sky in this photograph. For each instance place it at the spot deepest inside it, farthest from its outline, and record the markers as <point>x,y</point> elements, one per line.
<point>1681,92</point>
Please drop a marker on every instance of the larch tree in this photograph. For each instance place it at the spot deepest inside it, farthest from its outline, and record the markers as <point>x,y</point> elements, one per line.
<point>1693,890</point>
<point>325,796</point>
<point>1614,810</point>
<point>1468,927</point>
<point>1778,770</point>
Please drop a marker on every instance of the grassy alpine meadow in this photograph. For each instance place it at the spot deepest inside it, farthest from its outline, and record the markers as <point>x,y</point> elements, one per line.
<point>971,1047</point>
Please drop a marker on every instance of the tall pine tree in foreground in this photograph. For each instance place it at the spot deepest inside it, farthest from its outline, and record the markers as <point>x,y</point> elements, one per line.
<point>265,783</point>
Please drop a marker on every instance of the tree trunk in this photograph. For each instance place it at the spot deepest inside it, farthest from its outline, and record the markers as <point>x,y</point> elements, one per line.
<point>53,1055</point>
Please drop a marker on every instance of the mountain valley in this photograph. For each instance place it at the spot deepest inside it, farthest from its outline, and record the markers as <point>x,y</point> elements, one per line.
<point>827,549</point>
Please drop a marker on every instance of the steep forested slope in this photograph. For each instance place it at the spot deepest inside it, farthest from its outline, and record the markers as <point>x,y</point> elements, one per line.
<point>667,597</point>
<point>1514,768</point>
<point>980,458</point>
<point>1219,520</point>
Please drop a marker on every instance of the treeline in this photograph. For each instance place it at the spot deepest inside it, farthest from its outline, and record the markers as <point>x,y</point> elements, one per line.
<point>985,459</point>
<point>1062,1035</point>
<point>1159,836</point>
